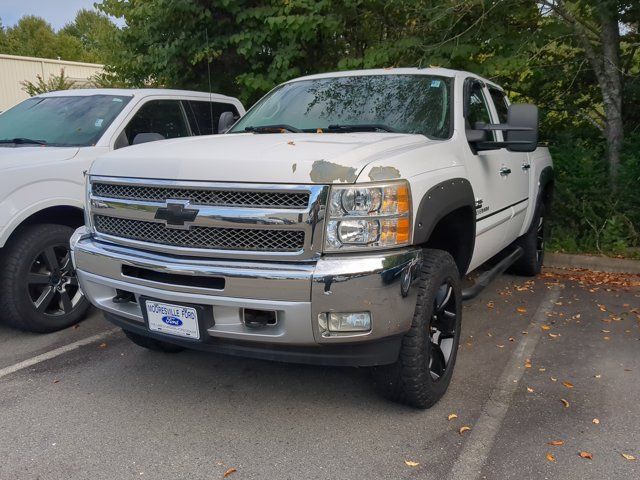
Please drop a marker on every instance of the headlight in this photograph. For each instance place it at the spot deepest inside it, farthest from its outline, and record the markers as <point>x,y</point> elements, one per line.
<point>368,216</point>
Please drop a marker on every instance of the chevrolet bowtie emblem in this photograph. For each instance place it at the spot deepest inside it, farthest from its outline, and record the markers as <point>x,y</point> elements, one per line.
<point>176,214</point>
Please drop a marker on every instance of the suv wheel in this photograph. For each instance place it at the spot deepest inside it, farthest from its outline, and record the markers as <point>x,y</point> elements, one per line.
<point>423,371</point>
<point>532,244</point>
<point>39,290</point>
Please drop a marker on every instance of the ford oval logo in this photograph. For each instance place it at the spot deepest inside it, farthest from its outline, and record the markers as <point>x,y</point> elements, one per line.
<point>173,321</point>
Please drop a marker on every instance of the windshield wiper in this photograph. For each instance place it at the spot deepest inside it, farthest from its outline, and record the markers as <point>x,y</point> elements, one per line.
<point>367,127</point>
<point>23,141</point>
<point>273,129</point>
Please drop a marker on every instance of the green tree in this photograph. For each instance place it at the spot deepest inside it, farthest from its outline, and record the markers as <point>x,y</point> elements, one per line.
<point>32,36</point>
<point>97,34</point>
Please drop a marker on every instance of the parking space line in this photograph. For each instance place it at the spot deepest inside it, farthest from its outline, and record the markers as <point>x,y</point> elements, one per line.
<point>476,450</point>
<point>55,353</point>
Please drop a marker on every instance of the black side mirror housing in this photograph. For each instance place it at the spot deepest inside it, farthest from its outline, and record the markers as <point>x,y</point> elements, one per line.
<point>525,116</point>
<point>520,131</point>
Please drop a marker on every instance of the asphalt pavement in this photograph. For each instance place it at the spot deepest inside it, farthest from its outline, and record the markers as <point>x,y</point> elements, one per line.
<point>86,403</point>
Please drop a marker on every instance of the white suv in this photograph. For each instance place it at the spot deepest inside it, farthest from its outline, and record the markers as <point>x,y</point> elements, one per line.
<point>47,143</point>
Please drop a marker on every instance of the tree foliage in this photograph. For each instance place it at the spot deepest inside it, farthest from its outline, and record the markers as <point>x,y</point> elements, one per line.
<point>52,84</point>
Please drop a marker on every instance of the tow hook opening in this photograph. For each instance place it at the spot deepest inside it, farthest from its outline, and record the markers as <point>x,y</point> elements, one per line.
<point>122,296</point>
<point>259,318</point>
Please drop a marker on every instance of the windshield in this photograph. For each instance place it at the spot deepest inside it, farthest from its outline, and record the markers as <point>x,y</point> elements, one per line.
<point>401,103</point>
<point>60,121</point>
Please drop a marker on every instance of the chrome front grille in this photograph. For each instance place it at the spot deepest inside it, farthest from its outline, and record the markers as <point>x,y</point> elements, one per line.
<point>202,237</point>
<point>207,219</point>
<point>200,196</point>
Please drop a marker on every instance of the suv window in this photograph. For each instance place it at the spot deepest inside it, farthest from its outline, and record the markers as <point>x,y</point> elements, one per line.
<point>478,107</point>
<point>204,116</point>
<point>157,116</point>
<point>500,101</point>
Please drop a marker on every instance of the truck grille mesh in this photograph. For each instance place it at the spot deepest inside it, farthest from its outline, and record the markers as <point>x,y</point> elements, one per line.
<point>231,198</point>
<point>202,237</point>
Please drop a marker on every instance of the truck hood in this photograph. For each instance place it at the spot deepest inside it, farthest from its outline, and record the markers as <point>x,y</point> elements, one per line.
<point>261,158</point>
<point>22,157</point>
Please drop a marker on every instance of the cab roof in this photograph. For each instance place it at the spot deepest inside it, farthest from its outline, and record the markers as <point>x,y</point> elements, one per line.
<point>134,92</point>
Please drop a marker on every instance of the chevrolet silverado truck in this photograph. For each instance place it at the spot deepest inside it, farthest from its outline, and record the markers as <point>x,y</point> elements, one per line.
<point>332,225</point>
<point>47,142</point>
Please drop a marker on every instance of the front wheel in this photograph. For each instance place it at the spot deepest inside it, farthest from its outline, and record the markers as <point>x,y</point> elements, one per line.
<point>39,290</point>
<point>423,371</point>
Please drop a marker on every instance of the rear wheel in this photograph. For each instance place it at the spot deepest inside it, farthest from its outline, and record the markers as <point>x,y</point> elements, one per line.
<point>532,244</point>
<point>39,289</point>
<point>423,371</point>
<point>152,343</point>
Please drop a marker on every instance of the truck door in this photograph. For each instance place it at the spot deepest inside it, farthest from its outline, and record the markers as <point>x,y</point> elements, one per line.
<point>489,177</point>
<point>517,162</point>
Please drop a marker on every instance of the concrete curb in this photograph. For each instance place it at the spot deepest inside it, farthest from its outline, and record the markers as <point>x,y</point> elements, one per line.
<point>591,262</point>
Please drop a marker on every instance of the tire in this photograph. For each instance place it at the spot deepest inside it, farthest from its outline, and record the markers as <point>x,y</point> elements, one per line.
<point>424,368</point>
<point>39,290</point>
<point>532,244</point>
<point>152,343</point>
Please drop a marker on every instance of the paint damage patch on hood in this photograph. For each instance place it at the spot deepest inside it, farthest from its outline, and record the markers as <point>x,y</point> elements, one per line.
<point>327,172</point>
<point>383,173</point>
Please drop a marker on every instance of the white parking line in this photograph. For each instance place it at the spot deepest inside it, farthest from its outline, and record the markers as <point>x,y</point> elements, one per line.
<point>56,352</point>
<point>474,453</point>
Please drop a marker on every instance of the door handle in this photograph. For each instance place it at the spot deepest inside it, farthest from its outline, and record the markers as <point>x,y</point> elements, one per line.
<point>526,166</point>
<point>504,171</point>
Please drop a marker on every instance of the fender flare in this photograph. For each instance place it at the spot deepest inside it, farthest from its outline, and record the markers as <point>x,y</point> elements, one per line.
<point>440,200</point>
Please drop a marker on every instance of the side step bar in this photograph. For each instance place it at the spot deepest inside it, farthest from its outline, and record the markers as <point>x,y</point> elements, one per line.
<point>487,277</point>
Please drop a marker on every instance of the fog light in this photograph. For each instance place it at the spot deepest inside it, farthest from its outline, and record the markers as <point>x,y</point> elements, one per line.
<point>349,322</point>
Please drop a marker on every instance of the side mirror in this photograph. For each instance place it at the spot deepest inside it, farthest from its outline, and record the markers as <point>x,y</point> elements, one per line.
<point>226,121</point>
<point>525,118</point>
<point>146,137</point>
<point>520,131</point>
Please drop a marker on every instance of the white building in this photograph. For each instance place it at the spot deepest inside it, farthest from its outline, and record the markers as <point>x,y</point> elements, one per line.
<point>15,69</point>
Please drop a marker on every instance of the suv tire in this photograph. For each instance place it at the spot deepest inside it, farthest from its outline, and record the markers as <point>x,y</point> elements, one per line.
<point>39,290</point>
<point>532,244</point>
<point>152,343</point>
<point>423,371</point>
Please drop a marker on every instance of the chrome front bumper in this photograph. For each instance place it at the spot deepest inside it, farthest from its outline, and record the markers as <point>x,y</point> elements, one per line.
<point>378,282</point>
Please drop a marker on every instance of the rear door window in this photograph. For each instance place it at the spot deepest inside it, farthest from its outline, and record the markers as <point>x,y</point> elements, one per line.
<point>500,101</point>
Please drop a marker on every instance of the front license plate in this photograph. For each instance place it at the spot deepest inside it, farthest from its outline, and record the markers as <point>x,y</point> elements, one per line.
<point>175,320</point>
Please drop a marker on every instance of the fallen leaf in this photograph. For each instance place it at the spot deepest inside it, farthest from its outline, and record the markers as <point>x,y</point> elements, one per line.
<point>529,389</point>
<point>605,338</point>
<point>102,345</point>
<point>56,381</point>
<point>545,327</point>
<point>542,369</point>
<point>605,331</point>
<point>596,421</point>
<point>463,429</point>
<point>490,304</point>
<point>229,472</point>
<point>500,346</point>
<point>554,335</point>
<point>452,416</point>
<point>565,403</point>
<point>550,457</point>
<point>511,339</point>
<point>521,310</point>
<point>628,457</point>
<point>527,363</point>
<point>586,455</point>
<point>568,384</point>
<point>554,379</point>
<point>597,376</point>
<point>409,463</point>
<point>556,443</point>
<point>291,142</point>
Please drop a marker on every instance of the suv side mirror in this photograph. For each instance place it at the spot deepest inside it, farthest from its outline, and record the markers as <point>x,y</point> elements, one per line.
<point>521,130</point>
<point>146,137</point>
<point>226,121</point>
<point>525,116</point>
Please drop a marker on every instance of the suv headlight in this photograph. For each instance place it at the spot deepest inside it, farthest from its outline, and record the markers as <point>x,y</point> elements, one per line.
<point>368,216</point>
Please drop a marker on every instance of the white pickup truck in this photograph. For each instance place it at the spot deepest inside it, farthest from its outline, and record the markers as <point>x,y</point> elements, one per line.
<point>331,225</point>
<point>47,143</point>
